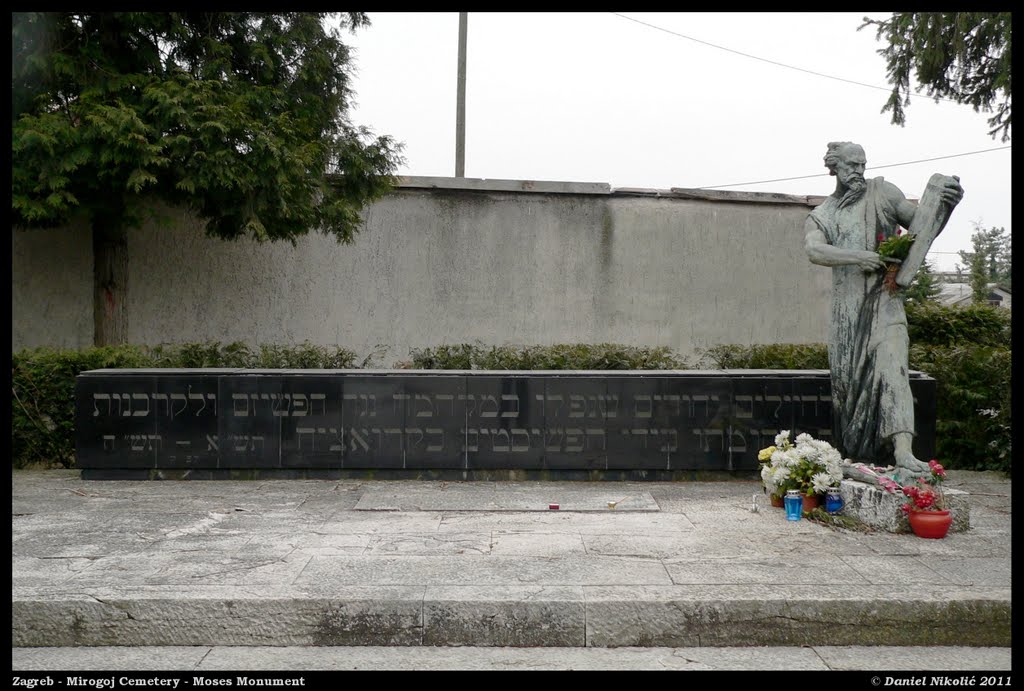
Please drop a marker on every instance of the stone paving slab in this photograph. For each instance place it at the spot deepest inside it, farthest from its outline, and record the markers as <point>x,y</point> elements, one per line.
<point>494,497</point>
<point>495,570</point>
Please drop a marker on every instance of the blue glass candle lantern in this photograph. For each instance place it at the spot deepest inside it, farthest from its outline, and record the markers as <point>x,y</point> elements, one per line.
<point>794,504</point>
<point>833,500</point>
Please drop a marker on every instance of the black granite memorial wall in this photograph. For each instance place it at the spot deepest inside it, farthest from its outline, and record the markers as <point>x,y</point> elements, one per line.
<point>227,423</point>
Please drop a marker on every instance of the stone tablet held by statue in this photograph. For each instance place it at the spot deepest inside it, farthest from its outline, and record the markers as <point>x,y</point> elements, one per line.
<point>929,220</point>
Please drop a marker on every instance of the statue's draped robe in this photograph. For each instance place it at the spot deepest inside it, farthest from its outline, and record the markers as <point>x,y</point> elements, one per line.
<point>867,338</point>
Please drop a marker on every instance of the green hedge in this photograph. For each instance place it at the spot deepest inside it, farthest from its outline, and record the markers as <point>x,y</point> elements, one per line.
<point>933,324</point>
<point>771,356</point>
<point>43,384</point>
<point>578,356</point>
<point>972,425</point>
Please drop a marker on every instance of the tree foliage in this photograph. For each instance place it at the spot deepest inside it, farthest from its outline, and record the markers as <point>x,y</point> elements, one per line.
<point>963,56</point>
<point>240,116</point>
<point>990,262</point>
<point>925,287</point>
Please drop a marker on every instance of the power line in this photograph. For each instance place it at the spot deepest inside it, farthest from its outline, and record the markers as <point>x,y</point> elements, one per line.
<point>773,62</point>
<point>887,165</point>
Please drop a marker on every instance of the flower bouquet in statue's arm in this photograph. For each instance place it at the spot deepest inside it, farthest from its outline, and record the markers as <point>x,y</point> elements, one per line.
<point>893,251</point>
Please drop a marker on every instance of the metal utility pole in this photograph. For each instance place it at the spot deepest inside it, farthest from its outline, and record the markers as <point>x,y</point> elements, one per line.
<point>460,104</point>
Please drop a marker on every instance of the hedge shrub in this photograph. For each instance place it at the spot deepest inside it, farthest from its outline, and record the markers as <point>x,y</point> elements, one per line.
<point>930,323</point>
<point>578,356</point>
<point>770,356</point>
<point>972,425</point>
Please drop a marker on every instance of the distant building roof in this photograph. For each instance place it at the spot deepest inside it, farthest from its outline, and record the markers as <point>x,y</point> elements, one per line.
<point>961,294</point>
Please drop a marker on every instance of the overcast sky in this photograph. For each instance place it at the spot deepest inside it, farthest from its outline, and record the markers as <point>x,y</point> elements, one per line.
<point>596,97</point>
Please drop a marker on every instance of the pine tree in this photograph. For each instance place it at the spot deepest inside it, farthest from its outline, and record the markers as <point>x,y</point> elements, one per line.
<point>925,287</point>
<point>241,117</point>
<point>963,56</point>
<point>990,262</point>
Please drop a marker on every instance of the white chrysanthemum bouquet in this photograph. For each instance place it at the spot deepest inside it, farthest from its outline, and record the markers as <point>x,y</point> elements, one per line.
<point>811,465</point>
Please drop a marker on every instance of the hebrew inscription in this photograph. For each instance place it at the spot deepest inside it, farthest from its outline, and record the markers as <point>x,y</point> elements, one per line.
<point>487,421</point>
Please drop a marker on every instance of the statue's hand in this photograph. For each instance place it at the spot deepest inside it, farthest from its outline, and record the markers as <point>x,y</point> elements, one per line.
<point>952,193</point>
<point>870,261</point>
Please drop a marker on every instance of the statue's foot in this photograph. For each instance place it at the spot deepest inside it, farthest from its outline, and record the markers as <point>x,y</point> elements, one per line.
<point>906,462</point>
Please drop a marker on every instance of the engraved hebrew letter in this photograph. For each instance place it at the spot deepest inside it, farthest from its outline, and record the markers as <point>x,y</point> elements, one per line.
<point>640,400</point>
<point>494,440</point>
<point>197,396</point>
<point>608,405</point>
<point>184,404</point>
<point>484,411</point>
<point>323,403</point>
<point>473,445</point>
<point>739,411</point>
<point>522,445</point>
<point>424,405</point>
<point>556,432</point>
<point>558,410</point>
<point>360,439</point>
<point>100,397</point>
<point>143,397</point>
<point>672,440</point>
<point>109,442</point>
<point>236,397</point>
<point>439,443</point>
<point>396,401</point>
<point>593,433</point>
<point>577,405</point>
<point>450,398</point>
<point>413,443</point>
<point>513,400</point>
<point>300,404</point>
<point>733,446</point>
<point>470,404</point>
<point>311,431</point>
<point>340,446</point>
<point>573,439</point>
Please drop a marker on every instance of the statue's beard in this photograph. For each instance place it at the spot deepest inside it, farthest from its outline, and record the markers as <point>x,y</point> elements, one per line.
<point>855,188</point>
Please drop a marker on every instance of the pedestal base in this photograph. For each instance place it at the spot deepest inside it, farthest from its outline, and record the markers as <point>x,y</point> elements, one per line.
<point>880,509</point>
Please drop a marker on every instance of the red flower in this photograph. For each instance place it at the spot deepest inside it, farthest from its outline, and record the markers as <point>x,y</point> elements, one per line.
<point>924,495</point>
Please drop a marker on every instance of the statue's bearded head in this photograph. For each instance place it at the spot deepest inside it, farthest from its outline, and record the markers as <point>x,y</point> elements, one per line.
<point>847,162</point>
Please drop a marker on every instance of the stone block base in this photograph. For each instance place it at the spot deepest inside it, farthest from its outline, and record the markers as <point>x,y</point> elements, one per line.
<point>880,509</point>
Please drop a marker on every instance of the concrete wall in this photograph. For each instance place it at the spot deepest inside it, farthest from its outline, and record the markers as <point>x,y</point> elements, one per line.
<point>443,260</point>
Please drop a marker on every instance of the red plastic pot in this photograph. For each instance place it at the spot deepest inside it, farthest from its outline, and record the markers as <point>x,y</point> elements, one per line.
<point>930,524</point>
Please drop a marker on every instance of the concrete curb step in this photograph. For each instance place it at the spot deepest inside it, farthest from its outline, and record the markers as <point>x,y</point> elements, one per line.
<point>546,616</point>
